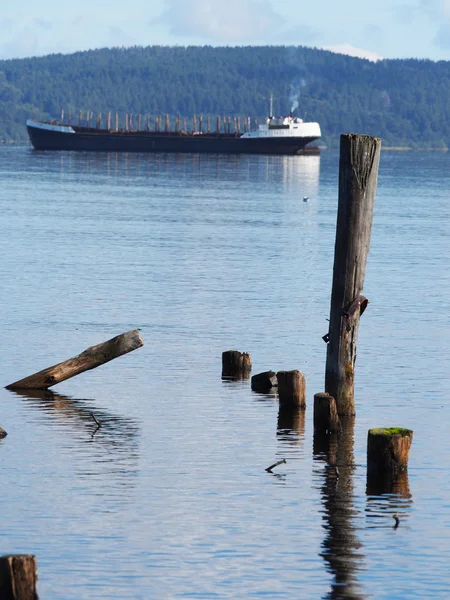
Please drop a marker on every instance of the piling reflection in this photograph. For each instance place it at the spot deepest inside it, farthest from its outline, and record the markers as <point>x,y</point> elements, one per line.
<point>388,500</point>
<point>340,548</point>
<point>291,426</point>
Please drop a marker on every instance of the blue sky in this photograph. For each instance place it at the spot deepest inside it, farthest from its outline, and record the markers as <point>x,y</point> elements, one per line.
<point>386,28</point>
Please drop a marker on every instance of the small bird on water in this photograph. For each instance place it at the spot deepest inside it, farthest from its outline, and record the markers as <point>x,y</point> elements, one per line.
<point>396,519</point>
<point>305,198</point>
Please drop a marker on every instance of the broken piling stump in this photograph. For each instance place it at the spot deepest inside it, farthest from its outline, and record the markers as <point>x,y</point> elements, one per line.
<point>358,174</point>
<point>291,389</point>
<point>18,577</point>
<point>264,382</point>
<point>326,419</point>
<point>89,359</point>
<point>235,364</point>
<point>2,433</point>
<point>388,450</point>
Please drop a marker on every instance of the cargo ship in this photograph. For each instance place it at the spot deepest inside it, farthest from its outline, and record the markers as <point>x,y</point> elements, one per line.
<point>277,135</point>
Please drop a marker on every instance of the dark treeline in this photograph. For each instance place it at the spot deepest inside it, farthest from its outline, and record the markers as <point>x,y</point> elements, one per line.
<point>406,102</point>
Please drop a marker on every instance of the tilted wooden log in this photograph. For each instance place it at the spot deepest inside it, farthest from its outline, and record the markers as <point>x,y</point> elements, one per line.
<point>18,577</point>
<point>89,359</point>
<point>358,173</point>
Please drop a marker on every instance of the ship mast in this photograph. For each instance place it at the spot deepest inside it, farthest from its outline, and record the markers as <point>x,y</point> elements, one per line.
<point>271,107</point>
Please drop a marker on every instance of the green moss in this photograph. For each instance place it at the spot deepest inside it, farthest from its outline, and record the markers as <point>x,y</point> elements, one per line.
<point>391,431</point>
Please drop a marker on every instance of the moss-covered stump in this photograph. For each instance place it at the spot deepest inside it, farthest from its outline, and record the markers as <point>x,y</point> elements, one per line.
<point>388,450</point>
<point>236,365</point>
<point>291,389</point>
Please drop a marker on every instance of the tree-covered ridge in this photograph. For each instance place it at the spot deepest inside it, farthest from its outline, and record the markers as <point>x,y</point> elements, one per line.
<point>405,102</point>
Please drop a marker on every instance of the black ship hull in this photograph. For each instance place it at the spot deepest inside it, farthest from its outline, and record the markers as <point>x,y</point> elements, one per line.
<point>102,140</point>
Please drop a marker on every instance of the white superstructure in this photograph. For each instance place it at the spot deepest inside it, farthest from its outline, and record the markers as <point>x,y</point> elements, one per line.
<point>50,126</point>
<point>286,127</point>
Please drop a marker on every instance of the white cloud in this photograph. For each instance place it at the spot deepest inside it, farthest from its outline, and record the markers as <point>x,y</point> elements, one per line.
<point>221,20</point>
<point>352,51</point>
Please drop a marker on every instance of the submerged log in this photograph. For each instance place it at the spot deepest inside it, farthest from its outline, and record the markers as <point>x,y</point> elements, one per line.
<point>388,450</point>
<point>89,359</point>
<point>264,382</point>
<point>236,364</point>
<point>291,389</point>
<point>18,577</point>
<point>358,173</point>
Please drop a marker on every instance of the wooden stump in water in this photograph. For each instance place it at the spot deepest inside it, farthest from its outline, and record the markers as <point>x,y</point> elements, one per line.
<point>264,382</point>
<point>326,419</point>
<point>236,364</point>
<point>388,450</point>
<point>2,433</point>
<point>291,389</point>
<point>18,577</point>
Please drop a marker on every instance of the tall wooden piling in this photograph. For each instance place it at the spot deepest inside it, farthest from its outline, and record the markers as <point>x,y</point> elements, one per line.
<point>236,365</point>
<point>291,389</point>
<point>18,577</point>
<point>358,173</point>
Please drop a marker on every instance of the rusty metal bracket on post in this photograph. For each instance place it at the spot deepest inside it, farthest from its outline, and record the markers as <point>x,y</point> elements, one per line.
<point>360,302</point>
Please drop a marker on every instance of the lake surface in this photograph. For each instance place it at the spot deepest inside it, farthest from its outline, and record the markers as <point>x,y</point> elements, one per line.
<point>170,498</point>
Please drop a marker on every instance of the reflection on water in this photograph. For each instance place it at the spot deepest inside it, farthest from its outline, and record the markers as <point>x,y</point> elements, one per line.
<point>118,435</point>
<point>291,426</point>
<point>388,496</point>
<point>341,549</point>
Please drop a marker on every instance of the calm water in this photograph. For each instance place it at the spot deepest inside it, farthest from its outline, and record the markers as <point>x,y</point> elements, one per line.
<point>170,498</point>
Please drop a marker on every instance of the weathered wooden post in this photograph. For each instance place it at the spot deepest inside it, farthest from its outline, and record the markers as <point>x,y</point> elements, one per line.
<point>291,389</point>
<point>358,173</point>
<point>18,577</point>
<point>89,359</point>
<point>388,450</point>
<point>236,364</point>
<point>264,382</point>
<point>326,419</point>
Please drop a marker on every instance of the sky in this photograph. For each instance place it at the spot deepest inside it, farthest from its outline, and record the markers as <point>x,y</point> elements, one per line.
<point>372,30</point>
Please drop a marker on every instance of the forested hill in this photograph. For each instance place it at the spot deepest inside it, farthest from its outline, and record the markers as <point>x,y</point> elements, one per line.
<point>405,102</point>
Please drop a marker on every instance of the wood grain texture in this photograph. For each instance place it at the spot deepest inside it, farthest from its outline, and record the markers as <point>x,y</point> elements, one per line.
<point>358,174</point>
<point>89,359</point>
